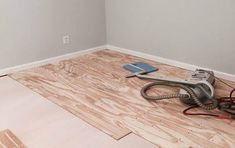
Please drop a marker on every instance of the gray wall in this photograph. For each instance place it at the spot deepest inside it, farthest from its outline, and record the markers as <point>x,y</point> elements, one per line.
<point>199,32</point>
<point>32,30</point>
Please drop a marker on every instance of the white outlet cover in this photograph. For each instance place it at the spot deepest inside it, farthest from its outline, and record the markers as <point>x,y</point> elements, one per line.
<point>66,39</point>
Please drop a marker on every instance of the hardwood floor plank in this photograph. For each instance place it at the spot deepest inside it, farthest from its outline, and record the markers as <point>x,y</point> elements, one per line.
<point>94,88</point>
<point>9,140</point>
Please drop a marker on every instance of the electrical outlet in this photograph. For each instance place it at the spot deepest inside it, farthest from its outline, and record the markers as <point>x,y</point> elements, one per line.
<point>66,39</point>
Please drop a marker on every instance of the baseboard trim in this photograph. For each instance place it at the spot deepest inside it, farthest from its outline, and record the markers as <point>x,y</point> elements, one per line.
<point>219,74</point>
<point>10,70</point>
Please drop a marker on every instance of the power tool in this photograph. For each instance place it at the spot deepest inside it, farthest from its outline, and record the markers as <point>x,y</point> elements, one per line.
<point>196,91</point>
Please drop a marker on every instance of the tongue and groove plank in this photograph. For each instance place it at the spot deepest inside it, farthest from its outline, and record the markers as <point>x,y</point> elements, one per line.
<point>9,140</point>
<point>93,87</point>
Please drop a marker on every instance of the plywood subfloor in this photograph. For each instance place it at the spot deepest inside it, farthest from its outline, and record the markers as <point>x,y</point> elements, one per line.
<point>39,123</point>
<point>93,87</point>
<point>9,140</point>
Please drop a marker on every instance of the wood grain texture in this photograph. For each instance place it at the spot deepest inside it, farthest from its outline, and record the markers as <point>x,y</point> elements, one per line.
<point>93,87</point>
<point>9,140</point>
<point>41,124</point>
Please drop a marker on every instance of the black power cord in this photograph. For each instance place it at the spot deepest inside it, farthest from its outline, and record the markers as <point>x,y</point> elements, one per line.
<point>225,104</point>
<point>188,89</point>
<point>3,76</point>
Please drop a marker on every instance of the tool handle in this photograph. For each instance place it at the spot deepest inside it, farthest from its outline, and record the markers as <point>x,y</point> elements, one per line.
<point>185,82</point>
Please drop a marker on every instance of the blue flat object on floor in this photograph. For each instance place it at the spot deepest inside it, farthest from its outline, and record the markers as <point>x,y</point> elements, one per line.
<point>140,67</point>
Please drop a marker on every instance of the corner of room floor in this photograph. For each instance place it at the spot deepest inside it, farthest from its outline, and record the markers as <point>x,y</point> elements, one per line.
<point>93,88</point>
<point>117,73</point>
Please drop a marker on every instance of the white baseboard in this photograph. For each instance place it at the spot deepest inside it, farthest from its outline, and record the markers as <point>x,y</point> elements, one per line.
<point>219,74</point>
<point>49,60</point>
<point>9,70</point>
